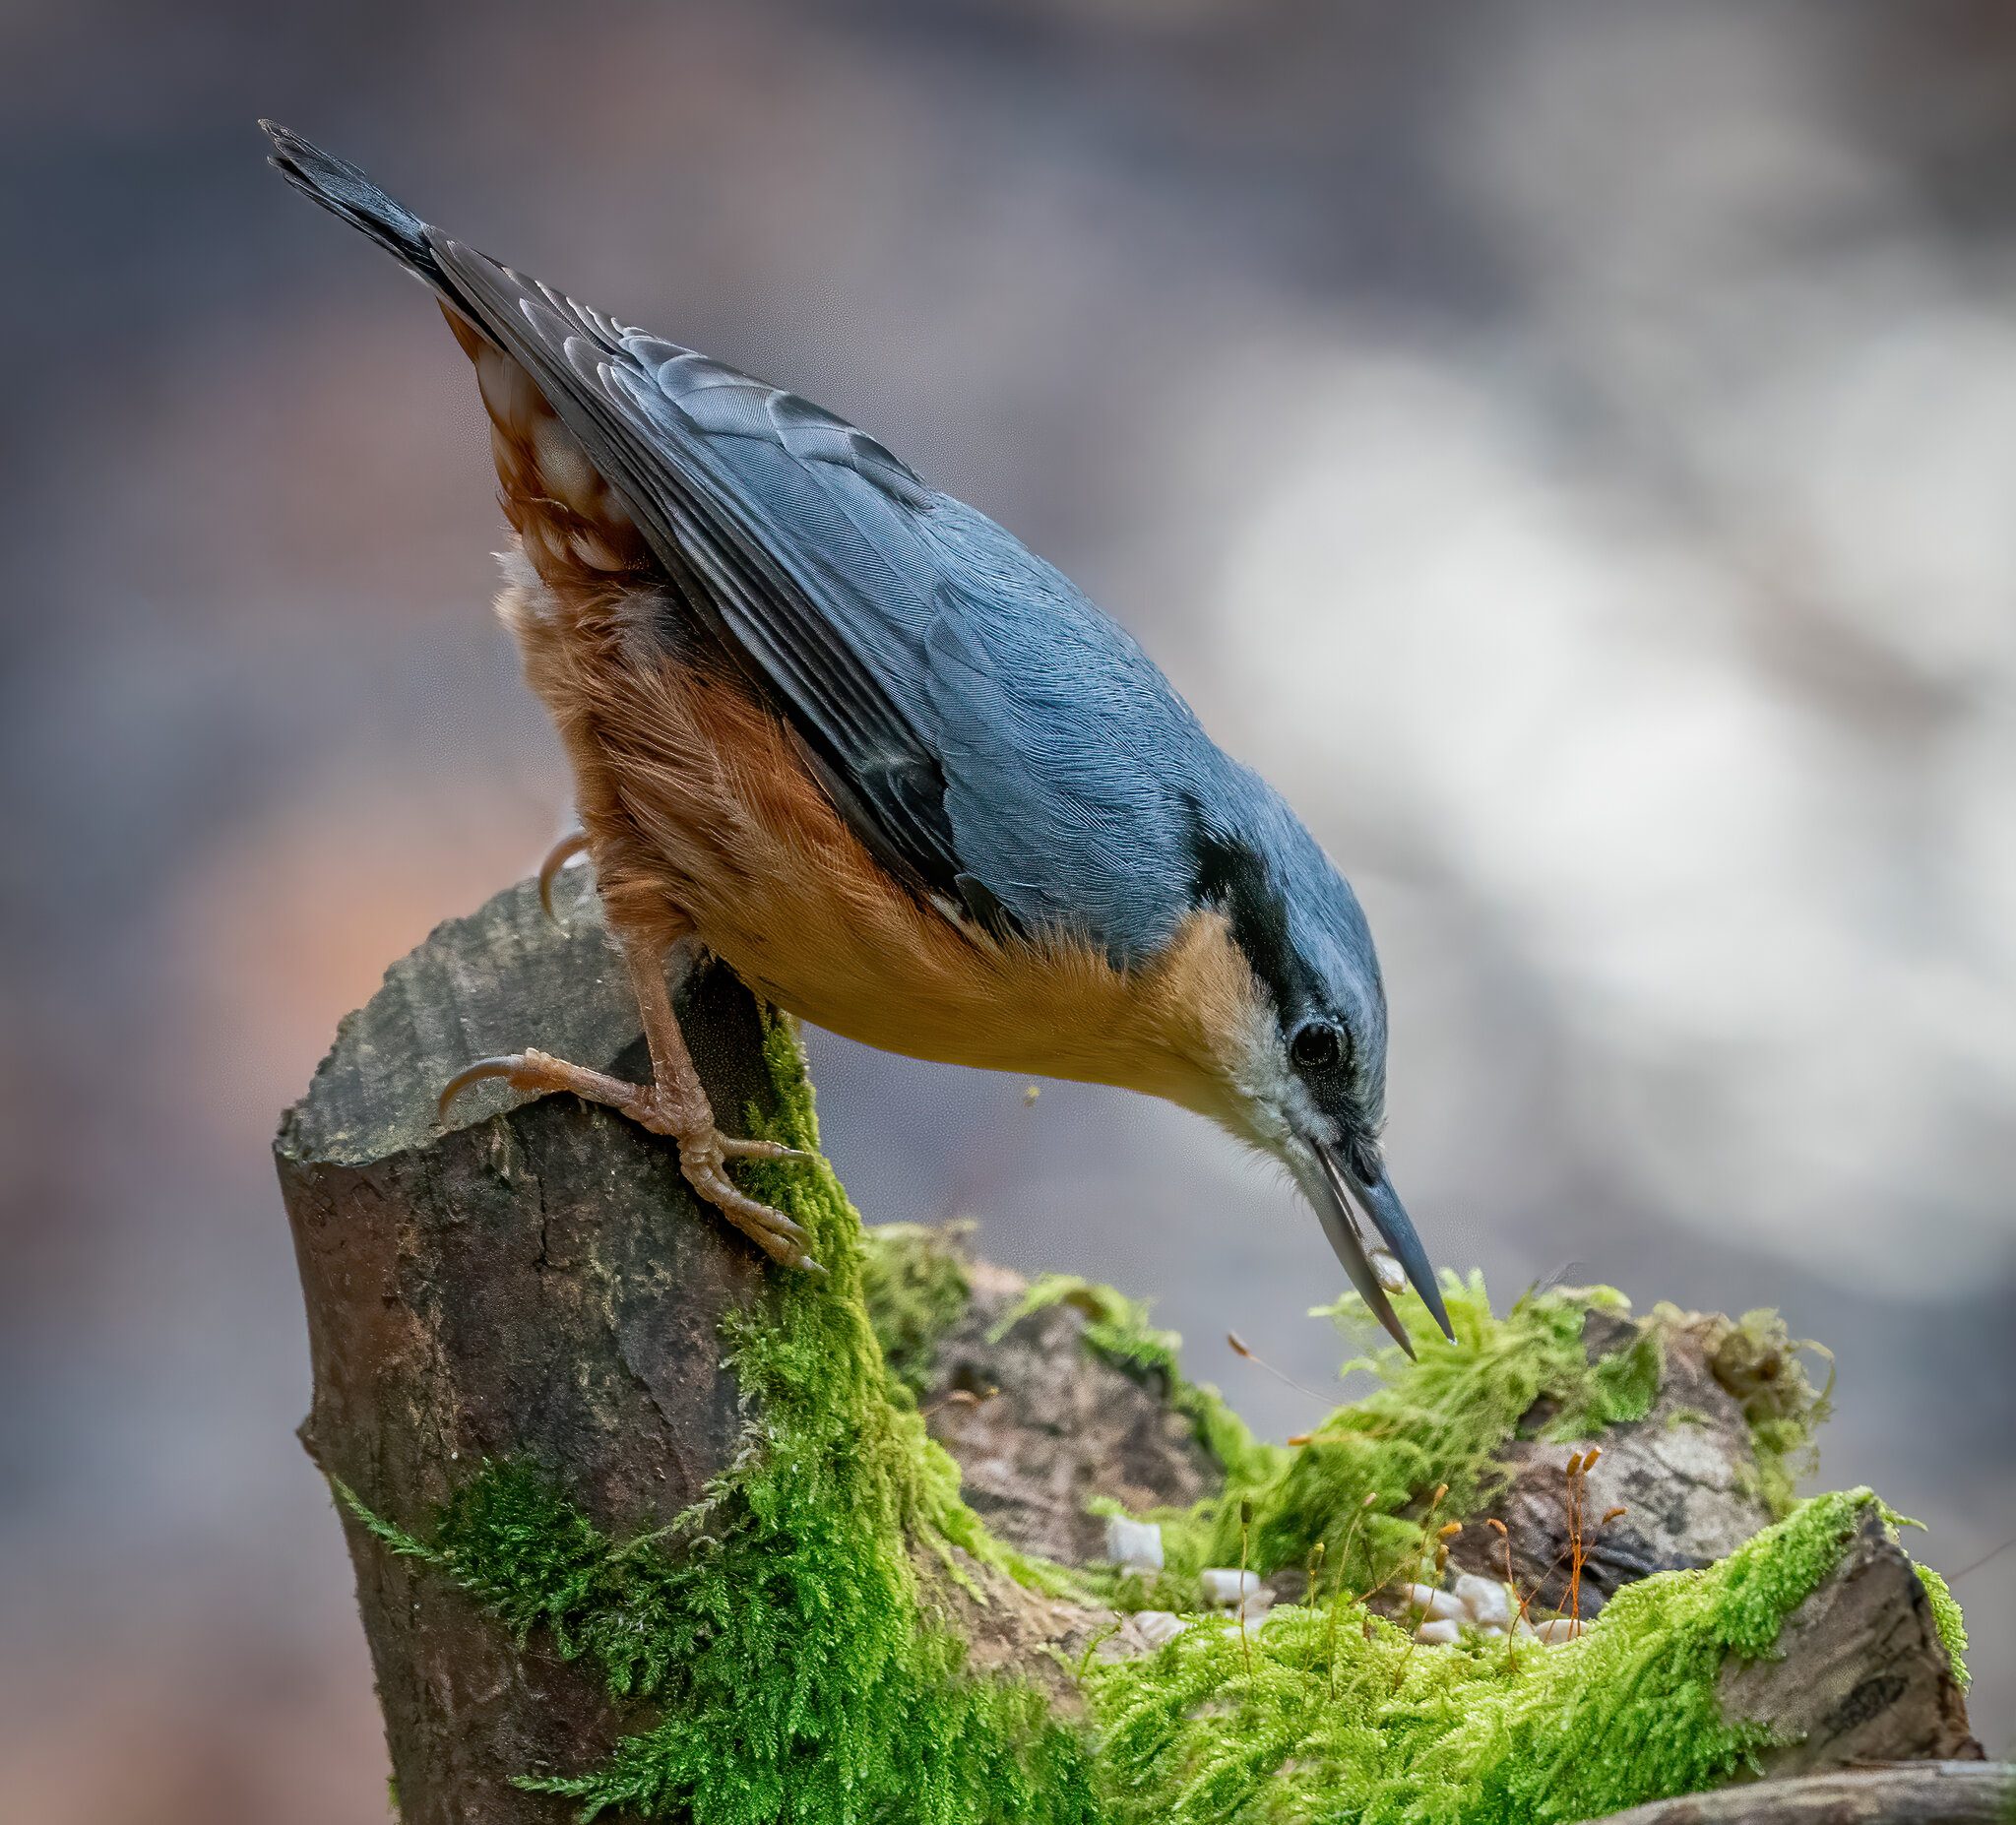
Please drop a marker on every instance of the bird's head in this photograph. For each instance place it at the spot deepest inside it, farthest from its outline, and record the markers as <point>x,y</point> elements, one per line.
<point>1300,1051</point>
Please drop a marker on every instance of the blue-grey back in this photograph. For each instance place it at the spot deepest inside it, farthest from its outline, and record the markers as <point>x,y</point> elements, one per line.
<point>988,733</point>
<point>985,727</point>
<point>1063,762</point>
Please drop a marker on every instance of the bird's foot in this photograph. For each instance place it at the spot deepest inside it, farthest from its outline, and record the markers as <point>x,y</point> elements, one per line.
<point>704,1154</point>
<point>704,1150</point>
<point>573,843</point>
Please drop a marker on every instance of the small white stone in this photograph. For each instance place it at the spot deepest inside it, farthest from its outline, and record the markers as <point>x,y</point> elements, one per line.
<point>1223,1587</point>
<point>1490,1629</point>
<point>1388,1272</point>
<point>1158,1627</point>
<point>1436,1606</point>
<point>1439,1634</point>
<point>1134,1546</point>
<point>1556,1630</point>
<point>1485,1598</point>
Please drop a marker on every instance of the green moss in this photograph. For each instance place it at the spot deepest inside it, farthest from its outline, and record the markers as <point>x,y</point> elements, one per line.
<point>1118,1330</point>
<point>781,1660</point>
<point>1947,1619</point>
<point>775,1642</point>
<point>1382,1732</point>
<point>1757,1361</point>
<point>914,1284</point>
<point>1363,1483</point>
<point>1619,1387</point>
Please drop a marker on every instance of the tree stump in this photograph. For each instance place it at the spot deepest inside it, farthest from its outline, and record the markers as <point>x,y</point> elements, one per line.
<point>535,1279</point>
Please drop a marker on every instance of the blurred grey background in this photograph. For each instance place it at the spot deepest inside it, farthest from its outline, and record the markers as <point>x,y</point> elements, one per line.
<point>1571,447</point>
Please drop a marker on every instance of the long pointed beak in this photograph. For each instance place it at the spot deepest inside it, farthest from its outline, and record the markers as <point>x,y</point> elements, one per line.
<point>1353,1199</point>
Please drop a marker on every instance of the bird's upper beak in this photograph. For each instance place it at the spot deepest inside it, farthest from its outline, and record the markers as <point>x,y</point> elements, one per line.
<point>1345,1201</point>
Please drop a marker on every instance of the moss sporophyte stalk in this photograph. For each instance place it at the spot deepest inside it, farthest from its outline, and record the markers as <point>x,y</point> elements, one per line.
<point>783,1663</point>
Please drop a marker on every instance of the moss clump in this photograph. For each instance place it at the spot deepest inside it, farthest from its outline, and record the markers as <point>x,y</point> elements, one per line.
<point>777,1632</point>
<point>914,1284</point>
<point>1756,1358</point>
<point>1621,1386</point>
<point>1946,1618</point>
<point>1362,1482</point>
<point>1337,1717</point>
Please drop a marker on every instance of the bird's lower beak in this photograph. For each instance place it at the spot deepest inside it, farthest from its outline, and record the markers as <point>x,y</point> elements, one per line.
<point>1349,1201</point>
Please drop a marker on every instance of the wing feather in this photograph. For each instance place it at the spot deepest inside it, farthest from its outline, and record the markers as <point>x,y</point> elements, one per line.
<point>987,733</point>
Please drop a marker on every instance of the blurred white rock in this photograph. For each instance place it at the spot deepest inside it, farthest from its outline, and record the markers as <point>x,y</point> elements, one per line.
<point>1223,1587</point>
<point>1436,1606</point>
<point>1133,1546</point>
<point>1487,1601</point>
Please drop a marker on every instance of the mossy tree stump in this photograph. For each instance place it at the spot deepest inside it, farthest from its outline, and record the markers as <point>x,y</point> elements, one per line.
<point>641,1525</point>
<point>537,1279</point>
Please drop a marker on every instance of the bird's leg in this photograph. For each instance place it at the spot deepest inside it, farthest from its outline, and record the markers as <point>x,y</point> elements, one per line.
<point>674,1103</point>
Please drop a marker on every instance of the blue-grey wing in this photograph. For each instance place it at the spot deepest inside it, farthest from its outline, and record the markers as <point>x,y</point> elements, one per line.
<point>987,731</point>
<point>1073,768</point>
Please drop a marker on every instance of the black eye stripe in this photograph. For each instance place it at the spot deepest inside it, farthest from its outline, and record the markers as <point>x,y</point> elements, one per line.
<point>1230,875</point>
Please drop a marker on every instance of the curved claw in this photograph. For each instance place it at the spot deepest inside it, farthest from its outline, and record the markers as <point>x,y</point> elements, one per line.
<point>733,1147</point>
<point>574,843</point>
<point>503,1065</point>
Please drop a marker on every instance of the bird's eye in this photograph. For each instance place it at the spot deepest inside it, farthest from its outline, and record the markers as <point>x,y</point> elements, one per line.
<point>1317,1046</point>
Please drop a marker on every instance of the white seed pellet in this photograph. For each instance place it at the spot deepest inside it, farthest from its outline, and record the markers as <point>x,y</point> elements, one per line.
<point>1134,1546</point>
<point>1224,1588</point>
<point>1158,1627</point>
<point>1486,1600</point>
<point>1436,1606</point>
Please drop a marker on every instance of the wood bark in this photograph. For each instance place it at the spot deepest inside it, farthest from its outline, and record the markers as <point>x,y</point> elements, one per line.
<point>1048,1426</point>
<point>536,1279</point>
<point>1912,1794</point>
<point>1684,1477</point>
<point>1857,1672</point>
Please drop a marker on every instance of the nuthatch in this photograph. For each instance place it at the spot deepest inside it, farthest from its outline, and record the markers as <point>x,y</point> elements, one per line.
<point>850,736</point>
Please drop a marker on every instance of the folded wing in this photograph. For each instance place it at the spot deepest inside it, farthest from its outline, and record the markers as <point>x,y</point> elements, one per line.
<point>989,734</point>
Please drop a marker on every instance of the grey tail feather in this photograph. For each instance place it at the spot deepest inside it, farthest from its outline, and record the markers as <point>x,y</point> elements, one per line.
<point>346,191</point>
